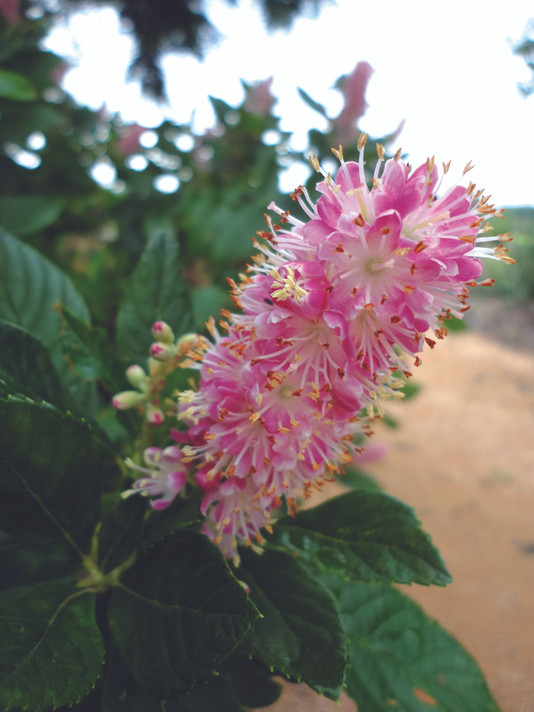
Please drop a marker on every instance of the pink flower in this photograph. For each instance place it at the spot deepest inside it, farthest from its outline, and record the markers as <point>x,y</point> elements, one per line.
<point>164,477</point>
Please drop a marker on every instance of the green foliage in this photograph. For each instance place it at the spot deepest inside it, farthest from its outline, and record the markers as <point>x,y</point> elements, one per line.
<point>26,368</point>
<point>155,291</point>
<point>52,649</point>
<point>16,86</point>
<point>518,284</point>
<point>299,634</point>
<point>54,468</point>
<point>24,215</point>
<point>189,613</point>
<point>364,535</point>
<point>400,659</point>
<point>32,288</point>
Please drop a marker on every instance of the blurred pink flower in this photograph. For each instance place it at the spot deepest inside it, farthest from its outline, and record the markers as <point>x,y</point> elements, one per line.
<point>9,9</point>
<point>128,143</point>
<point>259,99</point>
<point>353,88</point>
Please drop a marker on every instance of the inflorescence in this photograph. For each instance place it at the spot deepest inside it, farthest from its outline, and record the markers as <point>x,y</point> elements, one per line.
<point>328,317</point>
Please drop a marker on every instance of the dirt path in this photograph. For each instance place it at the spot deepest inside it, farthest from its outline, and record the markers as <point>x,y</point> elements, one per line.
<point>463,457</point>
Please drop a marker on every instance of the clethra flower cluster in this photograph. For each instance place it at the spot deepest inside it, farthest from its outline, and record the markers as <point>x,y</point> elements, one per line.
<point>327,317</point>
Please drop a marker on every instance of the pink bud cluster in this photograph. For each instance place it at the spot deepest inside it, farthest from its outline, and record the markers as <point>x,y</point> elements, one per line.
<point>328,314</point>
<point>165,355</point>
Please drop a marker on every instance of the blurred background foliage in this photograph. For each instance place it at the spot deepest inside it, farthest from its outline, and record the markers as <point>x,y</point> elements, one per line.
<point>88,191</point>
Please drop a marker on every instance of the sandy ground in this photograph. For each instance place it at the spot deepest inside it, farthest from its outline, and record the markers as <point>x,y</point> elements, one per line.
<point>463,457</point>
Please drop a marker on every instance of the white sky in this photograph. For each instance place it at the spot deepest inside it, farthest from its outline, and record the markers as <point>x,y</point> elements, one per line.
<point>447,69</point>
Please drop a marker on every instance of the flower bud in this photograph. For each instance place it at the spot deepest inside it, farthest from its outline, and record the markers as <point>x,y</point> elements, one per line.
<point>162,332</point>
<point>126,399</point>
<point>154,415</point>
<point>136,376</point>
<point>162,352</point>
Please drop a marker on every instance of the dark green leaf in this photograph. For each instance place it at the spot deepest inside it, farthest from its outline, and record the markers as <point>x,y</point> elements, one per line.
<point>358,479</point>
<point>367,535</point>
<point>120,532</point>
<point>52,650</point>
<point>252,681</point>
<point>300,632</point>
<point>16,86</point>
<point>178,515</point>
<point>311,102</point>
<point>217,695</point>
<point>178,614</point>
<point>26,366</point>
<point>30,289</point>
<point>23,215</point>
<point>155,291</point>
<point>120,694</point>
<point>53,470</point>
<point>402,660</point>
<point>94,357</point>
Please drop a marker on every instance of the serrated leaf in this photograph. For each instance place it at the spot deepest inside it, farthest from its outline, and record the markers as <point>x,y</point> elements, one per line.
<point>52,650</point>
<point>30,289</point>
<point>155,291</point>
<point>402,660</point>
<point>178,613</point>
<point>26,366</point>
<point>16,86</point>
<point>25,214</point>
<point>368,536</point>
<point>300,633</point>
<point>54,468</point>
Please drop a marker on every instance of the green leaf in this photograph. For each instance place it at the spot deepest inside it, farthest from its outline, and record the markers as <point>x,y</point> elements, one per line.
<point>120,532</point>
<point>206,302</point>
<point>366,535</point>
<point>155,291</point>
<point>23,215</point>
<point>120,694</point>
<point>16,86</point>
<point>252,681</point>
<point>52,650</point>
<point>92,354</point>
<point>300,633</point>
<point>26,366</point>
<point>53,470</point>
<point>312,103</point>
<point>358,479</point>
<point>178,515</point>
<point>30,289</point>
<point>402,660</point>
<point>178,613</point>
